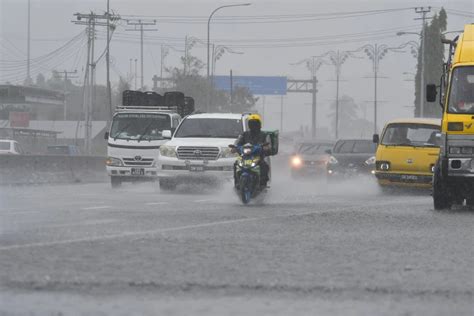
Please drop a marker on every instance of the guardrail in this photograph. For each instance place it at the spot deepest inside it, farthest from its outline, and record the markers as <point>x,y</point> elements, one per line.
<point>26,169</point>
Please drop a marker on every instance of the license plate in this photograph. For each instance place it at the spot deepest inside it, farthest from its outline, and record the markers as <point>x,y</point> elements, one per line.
<point>409,177</point>
<point>196,168</point>
<point>138,172</point>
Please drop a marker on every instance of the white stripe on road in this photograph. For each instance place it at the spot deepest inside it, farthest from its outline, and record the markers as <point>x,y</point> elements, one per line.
<point>96,207</point>
<point>156,203</point>
<point>157,231</point>
<point>129,234</point>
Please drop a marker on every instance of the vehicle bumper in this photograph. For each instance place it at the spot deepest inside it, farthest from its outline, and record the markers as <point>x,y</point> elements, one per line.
<point>309,171</point>
<point>126,172</point>
<point>221,169</point>
<point>404,180</point>
<point>460,167</point>
<point>348,172</point>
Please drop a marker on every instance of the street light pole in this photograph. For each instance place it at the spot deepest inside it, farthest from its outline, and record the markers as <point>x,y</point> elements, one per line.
<point>209,35</point>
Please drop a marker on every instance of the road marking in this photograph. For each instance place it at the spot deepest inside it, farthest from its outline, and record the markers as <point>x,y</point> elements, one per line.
<point>164,230</point>
<point>156,203</point>
<point>204,201</point>
<point>96,207</point>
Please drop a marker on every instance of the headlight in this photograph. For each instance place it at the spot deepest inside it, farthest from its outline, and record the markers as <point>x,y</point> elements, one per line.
<point>167,151</point>
<point>383,165</point>
<point>370,161</point>
<point>296,161</point>
<point>332,160</point>
<point>454,150</point>
<point>432,168</point>
<point>113,162</point>
<point>247,151</point>
<point>226,152</point>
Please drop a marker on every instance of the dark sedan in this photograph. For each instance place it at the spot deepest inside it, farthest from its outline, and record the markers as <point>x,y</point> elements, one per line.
<point>351,157</point>
<point>310,158</point>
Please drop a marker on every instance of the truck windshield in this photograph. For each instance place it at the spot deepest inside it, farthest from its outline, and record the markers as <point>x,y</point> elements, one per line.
<point>461,99</point>
<point>411,135</point>
<point>210,127</point>
<point>139,126</point>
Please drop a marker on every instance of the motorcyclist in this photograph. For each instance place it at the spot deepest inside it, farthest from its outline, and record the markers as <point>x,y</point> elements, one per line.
<point>255,136</point>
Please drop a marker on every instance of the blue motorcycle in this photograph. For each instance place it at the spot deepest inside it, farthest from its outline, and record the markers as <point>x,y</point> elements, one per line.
<point>247,171</point>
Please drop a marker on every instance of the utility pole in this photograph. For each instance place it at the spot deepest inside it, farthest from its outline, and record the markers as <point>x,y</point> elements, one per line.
<point>66,74</point>
<point>313,64</point>
<point>138,26</point>
<point>423,11</point>
<point>231,91</point>
<point>28,74</point>
<point>136,75</point>
<point>107,61</point>
<point>337,59</point>
<point>91,20</point>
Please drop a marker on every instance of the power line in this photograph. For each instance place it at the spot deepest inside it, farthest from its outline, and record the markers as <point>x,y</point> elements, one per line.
<point>138,26</point>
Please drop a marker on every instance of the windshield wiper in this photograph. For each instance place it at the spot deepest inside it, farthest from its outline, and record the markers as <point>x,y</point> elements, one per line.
<point>122,130</point>
<point>145,131</point>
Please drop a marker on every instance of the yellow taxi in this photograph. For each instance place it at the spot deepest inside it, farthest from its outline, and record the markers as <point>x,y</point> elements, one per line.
<point>407,152</point>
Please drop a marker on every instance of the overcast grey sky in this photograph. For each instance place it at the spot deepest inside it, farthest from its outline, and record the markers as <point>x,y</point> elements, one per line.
<point>285,40</point>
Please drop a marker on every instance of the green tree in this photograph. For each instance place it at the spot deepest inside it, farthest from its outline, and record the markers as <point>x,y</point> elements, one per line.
<point>434,59</point>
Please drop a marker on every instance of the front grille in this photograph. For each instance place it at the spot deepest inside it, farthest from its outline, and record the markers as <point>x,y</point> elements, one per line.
<point>198,153</point>
<point>144,162</point>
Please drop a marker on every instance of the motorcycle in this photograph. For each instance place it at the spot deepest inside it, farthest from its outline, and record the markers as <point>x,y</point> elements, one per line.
<point>247,171</point>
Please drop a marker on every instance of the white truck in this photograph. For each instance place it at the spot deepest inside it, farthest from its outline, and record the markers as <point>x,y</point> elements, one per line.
<point>136,133</point>
<point>198,150</point>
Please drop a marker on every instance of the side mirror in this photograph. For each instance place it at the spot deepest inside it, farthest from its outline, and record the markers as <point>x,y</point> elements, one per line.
<point>376,138</point>
<point>166,134</point>
<point>431,92</point>
<point>328,151</point>
<point>106,135</point>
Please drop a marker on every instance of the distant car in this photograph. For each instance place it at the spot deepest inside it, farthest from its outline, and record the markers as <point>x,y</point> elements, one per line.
<point>351,157</point>
<point>310,158</point>
<point>63,150</point>
<point>10,147</point>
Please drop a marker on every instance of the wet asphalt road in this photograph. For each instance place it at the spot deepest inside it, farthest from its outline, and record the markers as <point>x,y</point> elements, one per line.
<point>308,249</point>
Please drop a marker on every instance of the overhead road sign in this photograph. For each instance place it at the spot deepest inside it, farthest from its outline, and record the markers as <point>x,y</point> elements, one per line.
<point>257,85</point>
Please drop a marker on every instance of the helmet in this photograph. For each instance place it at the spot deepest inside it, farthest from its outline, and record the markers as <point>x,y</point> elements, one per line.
<point>254,122</point>
<point>254,116</point>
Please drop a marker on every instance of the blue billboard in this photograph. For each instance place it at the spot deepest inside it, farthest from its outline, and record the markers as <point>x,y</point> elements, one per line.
<point>258,85</point>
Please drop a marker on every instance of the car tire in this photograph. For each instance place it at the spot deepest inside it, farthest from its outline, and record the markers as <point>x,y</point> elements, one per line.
<point>115,182</point>
<point>441,196</point>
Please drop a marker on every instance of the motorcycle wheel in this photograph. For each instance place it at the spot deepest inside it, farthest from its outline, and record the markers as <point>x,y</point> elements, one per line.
<point>245,192</point>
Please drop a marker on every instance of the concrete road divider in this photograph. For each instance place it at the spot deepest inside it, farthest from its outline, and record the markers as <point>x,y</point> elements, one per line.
<point>19,169</point>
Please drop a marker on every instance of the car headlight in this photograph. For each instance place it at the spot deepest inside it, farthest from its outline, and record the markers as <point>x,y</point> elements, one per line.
<point>167,151</point>
<point>383,165</point>
<point>370,161</point>
<point>113,162</point>
<point>226,152</point>
<point>454,150</point>
<point>296,161</point>
<point>332,160</point>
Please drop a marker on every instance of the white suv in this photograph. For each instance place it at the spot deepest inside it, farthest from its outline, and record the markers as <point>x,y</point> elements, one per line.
<point>199,149</point>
